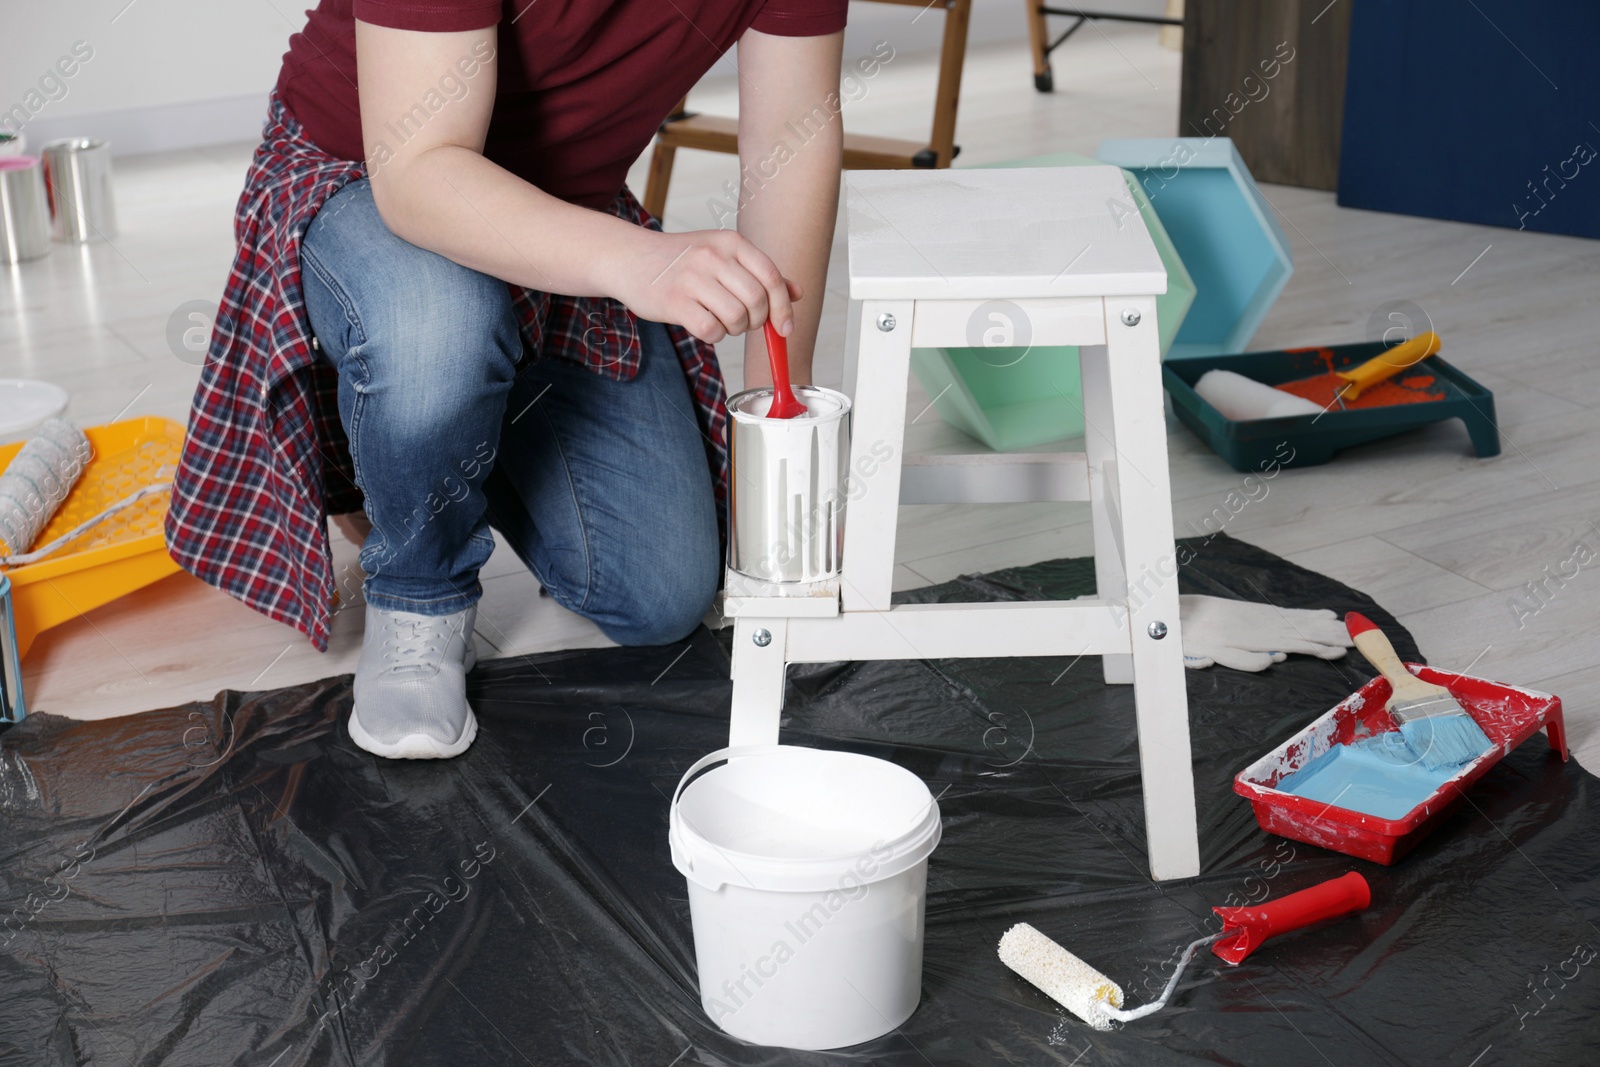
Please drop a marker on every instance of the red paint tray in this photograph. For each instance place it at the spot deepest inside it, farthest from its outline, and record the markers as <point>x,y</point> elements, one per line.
<point>1508,715</point>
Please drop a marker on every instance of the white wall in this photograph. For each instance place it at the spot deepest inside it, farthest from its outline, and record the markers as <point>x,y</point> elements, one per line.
<point>163,73</point>
<point>177,73</point>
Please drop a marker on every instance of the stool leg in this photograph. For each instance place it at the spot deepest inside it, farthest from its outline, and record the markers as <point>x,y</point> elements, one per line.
<point>758,679</point>
<point>1144,500</point>
<point>877,440</point>
<point>1100,446</point>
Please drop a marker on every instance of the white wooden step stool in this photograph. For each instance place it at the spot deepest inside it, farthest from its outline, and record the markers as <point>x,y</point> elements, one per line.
<point>929,253</point>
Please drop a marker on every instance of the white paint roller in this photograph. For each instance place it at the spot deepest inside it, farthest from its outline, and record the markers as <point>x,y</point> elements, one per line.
<point>1097,1000</point>
<point>1240,398</point>
<point>35,484</point>
<point>38,479</point>
<point>1070,982</point>
<point>1078,987</point>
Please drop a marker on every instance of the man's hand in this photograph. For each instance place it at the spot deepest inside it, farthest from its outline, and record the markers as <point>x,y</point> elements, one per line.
<point>714,283</point>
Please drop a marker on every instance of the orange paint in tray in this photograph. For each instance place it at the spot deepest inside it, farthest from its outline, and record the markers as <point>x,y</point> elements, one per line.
<point>1324,389</point>
<point>1320,391</point>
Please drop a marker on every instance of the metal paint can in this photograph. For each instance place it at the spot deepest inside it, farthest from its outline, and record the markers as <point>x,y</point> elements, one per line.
<point>77,172</point>
<point>12,707</point>
<point>24,210</point>
<point>786,508</point>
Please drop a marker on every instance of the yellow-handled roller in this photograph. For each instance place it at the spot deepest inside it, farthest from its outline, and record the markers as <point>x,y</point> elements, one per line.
<point>1382,368</point>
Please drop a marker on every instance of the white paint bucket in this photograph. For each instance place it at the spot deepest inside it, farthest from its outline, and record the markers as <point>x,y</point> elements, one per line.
<point>787,505</point>
<point>807,872</point>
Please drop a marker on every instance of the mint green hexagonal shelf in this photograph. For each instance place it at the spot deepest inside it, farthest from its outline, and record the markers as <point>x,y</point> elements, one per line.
<point>1012,400</point>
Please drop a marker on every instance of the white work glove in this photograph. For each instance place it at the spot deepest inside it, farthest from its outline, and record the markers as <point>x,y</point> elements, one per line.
<point>1251,637</point>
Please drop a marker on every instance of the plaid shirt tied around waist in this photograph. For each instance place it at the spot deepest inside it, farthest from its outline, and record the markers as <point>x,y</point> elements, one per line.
<point>266,459</point>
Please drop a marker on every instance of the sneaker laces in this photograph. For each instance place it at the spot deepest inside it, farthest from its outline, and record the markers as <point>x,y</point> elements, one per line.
<point>416,642</point>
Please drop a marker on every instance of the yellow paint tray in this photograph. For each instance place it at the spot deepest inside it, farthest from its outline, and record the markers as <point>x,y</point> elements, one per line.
<point>125,552</point>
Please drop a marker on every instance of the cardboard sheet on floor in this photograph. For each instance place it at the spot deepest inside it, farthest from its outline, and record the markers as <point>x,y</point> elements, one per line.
<point>236,883</point>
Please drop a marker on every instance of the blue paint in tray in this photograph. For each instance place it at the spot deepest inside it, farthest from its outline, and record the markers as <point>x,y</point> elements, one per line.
<point>1378,775</point>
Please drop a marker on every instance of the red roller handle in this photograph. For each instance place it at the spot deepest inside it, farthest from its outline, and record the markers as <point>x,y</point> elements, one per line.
<point>1253,926</point>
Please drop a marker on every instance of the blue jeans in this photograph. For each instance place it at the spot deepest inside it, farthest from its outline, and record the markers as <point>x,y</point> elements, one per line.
<point>600,486</point>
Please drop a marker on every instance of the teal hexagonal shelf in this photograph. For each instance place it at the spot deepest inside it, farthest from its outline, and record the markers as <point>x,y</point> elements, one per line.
<point>1223,228</point>
<point>1012,402</point>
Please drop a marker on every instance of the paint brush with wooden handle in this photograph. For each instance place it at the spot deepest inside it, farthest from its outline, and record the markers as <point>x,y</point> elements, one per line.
<point>1435,725</point>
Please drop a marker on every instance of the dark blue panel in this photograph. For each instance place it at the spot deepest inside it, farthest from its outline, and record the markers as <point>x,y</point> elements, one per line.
<point>1482,111</point>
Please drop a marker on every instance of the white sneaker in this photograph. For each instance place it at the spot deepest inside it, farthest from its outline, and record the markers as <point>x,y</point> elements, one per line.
<point>411,685</point>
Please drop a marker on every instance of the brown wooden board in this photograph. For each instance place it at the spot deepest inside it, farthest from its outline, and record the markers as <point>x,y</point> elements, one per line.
<point>1270,74</point>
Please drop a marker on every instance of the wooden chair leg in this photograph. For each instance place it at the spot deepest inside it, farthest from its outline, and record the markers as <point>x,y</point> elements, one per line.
<point>946,98</point>
<point>1172,36</point>
<point>1039,40</point>
<point>655,190</point>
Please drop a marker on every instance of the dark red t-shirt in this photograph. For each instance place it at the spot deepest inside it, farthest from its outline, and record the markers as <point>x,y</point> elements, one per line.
<point>582,84</point>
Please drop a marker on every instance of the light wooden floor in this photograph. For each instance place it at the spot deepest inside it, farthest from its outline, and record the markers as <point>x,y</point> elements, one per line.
<point>1444,540</point>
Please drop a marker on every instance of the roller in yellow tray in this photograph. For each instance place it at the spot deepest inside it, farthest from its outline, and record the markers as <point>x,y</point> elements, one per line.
<point>109,559</point>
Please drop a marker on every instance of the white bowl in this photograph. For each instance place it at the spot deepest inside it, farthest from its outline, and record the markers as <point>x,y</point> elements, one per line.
<point>25,403</point>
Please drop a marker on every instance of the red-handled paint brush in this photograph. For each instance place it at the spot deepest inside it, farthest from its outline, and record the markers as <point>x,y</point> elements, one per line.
<point>1435,725</point>
<point>784,404</point>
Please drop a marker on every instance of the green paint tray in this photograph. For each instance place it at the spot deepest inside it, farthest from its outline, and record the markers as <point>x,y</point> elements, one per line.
<point>1257,444</point>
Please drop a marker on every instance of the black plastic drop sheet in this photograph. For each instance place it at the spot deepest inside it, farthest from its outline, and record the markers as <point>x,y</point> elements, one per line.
<point>234,882</point>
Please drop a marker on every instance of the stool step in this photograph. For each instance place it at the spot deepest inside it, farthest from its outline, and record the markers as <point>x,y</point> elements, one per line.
<point>994,478</point>
<point>1090,627</point>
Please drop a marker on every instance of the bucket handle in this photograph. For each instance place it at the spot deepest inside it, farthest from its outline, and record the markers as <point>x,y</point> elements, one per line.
<point>728,753</point>
<point>675,821</point>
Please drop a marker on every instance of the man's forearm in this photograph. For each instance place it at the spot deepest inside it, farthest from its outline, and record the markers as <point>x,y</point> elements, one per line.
<point>790,152</point>
<point>792,220</point>
<point>455,202</point>
<point>440,193</point>
<point>436,189</point>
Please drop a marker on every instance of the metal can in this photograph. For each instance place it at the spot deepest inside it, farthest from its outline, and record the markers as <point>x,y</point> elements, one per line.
<point>24,210</point>
<point>787,502</point>
<point>78,173</point>
<point>12,707</point>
